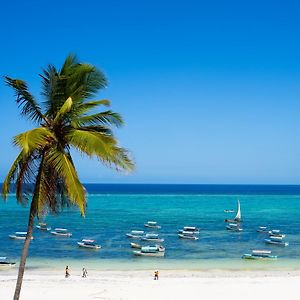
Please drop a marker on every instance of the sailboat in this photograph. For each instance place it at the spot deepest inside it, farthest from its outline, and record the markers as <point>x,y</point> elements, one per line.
<point>238,216</point>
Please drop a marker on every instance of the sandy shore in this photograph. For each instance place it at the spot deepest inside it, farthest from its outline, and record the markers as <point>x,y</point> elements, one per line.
<point>131,285</point>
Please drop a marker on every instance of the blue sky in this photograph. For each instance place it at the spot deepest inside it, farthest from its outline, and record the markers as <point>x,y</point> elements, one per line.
<point>209,89</point>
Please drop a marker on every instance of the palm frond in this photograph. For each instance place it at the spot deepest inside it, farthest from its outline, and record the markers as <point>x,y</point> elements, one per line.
<point>65,108</point>
<point>64,167</point>
<point>104,118</point>
<point>29,107</point>
<point>35,139</point>
<point>103,146</point>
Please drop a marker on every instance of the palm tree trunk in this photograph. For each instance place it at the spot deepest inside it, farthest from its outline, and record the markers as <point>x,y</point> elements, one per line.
<point>32,215</point>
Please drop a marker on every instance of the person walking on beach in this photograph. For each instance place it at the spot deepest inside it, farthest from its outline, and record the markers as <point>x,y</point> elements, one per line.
<point>84,272</point>
<point>156,275</point>
<point>67,274</point>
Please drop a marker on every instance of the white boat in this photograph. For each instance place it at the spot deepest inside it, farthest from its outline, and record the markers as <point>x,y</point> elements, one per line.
<point>260,254</point>
<point>5,263</point>
<point>135,234</point>
<point>276,233</point>
<point>19,235</point>
<point>151,251</point>
<point>90,244</point>
<point>43,226</point>
<point>136,246</point>
<point>189,229</point>
<point>262,229</point>
<point>276,242</point>
<point>234,227</point>
<point>152,224</point>
<point>238,216</point>
<point>61,232</point>
<point>151,237</point>
<point>188,235</point>
<point>228,210</point>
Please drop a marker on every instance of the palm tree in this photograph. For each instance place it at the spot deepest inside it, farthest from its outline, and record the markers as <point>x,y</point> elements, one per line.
<point>44,171</point>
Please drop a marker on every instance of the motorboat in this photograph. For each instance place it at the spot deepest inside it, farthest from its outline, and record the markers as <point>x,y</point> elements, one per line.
<point>238,216</point>
<point>152,237</point>
<point>135,245</point>
<point>234,227</point>
<point>5,263</point>
<point>152,224</point>
<point>43,226</point>
<point>61,232</point>
<point>135,234</point>
<point>19,235</point>
<point>151,251</point>
<point>228,210</point>
<point>189,229</point>
<point>188,235</point>
<point>260,254</point>
<point>276,233</point>
<point>90,244</point>
<point>263,229</point>
<point>277,242</point>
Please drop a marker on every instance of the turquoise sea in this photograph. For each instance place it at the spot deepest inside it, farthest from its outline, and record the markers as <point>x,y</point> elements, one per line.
<point>114,210</point>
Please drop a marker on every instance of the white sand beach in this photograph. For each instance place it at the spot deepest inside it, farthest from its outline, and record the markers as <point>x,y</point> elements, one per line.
<point>131,285</point>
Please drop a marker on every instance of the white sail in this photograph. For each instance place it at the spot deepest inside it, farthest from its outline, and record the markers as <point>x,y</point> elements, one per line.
<point>238,216</point>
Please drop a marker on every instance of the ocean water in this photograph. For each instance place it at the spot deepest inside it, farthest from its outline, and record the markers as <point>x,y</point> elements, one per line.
<point>114,210</point>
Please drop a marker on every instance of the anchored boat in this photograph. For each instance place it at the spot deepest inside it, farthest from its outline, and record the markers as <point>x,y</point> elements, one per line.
<point>152,224</point>
<point>276,241</point>
<point>260,254</point>
<point>151,251</point>
<point>5,263</point>
<point>276,233</point>
<point>263,229</point>
<point>90,244</point>
<point>189,229</point>
<point>19,235</point>
<point>43,226</point>
<point>61,232</point>
<point>238,216</point>
<point>135,234</point>
<point>136,246</point>
<point>151,237</point>
<point>188,235</point>
<point>234,227</point>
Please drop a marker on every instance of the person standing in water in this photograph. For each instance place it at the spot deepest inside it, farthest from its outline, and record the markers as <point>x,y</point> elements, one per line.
<point>67,274</point>
<point>84,272</point>
<point>156,275</point>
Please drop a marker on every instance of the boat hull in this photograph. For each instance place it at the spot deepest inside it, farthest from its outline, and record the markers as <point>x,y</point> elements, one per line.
<point>14,237</point>
<point>156,254</point>
<point>182,236</point>
<point>61,234</point>
<point>82,245</point>
<point>256,257</point>
<point>158,240</point>
<point>276,243</point>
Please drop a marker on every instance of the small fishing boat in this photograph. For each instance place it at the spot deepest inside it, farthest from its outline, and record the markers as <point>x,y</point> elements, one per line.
<point>151,237</point>
<point>43,226</point>
<point>136,246</point>
<point>263,229</point>
<point>19,235</point>
<point>260,254</point>
<point>238,216</point>
<point>61,232</point>
<point>234,227</point>
<point>5,263</point>
<point>151,251</point>
<point>276,233</point>
<point>189,229</point>
<point>135,234</point>
<point>90,244</point>
<point>276,241</point>
<point>152,224</point>
<point>228,210</point>
<point>188,235</point>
